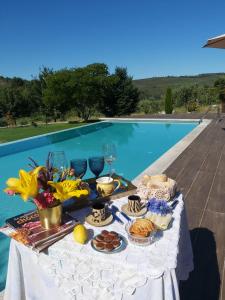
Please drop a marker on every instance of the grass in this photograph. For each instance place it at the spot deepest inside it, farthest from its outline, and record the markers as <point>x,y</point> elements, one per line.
<point>16,133</point>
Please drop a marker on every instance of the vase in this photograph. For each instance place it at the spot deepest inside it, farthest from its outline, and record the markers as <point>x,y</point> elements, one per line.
<point>50,217</point>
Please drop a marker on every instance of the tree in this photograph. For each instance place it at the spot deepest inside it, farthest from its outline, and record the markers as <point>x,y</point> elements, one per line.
<point>220,86</point>
<point>168,102</point>
<point>87,85</point>
<point>57,93</point>
<point>120,95</point>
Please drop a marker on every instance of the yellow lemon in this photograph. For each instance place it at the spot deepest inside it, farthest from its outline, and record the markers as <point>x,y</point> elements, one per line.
<point>80,234</point>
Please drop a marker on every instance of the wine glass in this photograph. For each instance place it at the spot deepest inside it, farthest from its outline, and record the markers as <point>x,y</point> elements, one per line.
<point>79,166</point>
<point>58,161</point>
<point>109,152</point>
<point>96,165</point>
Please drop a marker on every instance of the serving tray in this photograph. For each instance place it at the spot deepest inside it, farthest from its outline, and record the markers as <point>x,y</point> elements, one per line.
<point>127,188</point>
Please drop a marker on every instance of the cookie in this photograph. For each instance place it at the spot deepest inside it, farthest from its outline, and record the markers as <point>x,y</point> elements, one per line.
<point>116,244</point>
<point>99,246</point>
<point>104,233</point>
<point>109,247</point>
<point>100,238</point>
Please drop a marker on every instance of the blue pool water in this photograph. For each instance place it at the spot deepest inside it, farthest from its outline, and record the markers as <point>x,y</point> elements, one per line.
<point>138,145</point>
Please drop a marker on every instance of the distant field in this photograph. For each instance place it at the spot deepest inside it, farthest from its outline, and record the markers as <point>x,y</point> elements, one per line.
<point>12,134</point>
<point>156,86</point>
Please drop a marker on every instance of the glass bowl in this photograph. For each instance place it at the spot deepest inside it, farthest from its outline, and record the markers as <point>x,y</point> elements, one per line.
<point>140,241</point>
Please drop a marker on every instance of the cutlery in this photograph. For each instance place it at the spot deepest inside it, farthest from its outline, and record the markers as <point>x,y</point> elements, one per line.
<point>122,213</point>
<point>174,204</point>
<point>113,211</point>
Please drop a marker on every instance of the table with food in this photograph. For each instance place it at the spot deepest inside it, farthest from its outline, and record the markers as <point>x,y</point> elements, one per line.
<point>125,241</point>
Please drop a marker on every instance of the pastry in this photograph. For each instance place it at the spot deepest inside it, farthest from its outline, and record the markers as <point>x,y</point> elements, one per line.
<point>106,241</point>
<point>104,233</point>
<point>109,247</point>
<point>142,228</point>
<point>115,234</point>
<point>99,246</point>
<point>100,238</point>
<point>116,244</point>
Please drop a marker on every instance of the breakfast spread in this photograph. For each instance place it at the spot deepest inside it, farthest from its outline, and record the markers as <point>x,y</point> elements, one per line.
<point>107,241</point>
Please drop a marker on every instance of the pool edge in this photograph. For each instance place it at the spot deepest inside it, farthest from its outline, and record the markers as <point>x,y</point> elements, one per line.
<point>164,161</point>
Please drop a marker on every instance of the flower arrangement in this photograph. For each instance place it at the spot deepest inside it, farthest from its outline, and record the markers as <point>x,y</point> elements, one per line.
<point>38,185</point>
<point>158,206</point>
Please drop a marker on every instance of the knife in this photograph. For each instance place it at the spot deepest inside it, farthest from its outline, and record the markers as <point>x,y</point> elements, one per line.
<point>122,213</point>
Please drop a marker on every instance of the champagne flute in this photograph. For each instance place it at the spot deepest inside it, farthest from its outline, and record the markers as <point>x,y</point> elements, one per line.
<point>59,162</point>
<point>109,152</point>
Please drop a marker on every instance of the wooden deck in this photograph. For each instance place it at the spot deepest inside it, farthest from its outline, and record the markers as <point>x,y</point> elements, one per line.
<point>200,174</point>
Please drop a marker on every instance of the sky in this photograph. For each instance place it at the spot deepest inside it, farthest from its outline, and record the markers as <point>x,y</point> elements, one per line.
<point>150,38</point>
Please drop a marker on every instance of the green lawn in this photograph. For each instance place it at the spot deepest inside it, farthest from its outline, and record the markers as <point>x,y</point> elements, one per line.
<point>12,134</point>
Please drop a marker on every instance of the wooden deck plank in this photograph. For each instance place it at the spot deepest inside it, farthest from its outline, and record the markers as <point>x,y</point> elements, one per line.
<point>197,195</point>
<point>193,216</point>
<point>216,201</point>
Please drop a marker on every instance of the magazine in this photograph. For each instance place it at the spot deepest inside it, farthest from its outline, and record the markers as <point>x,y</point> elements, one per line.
<point>26,229</point>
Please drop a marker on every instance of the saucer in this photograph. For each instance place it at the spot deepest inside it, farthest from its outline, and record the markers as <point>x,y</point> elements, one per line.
<point>125,209</point>
<point>90,220</point>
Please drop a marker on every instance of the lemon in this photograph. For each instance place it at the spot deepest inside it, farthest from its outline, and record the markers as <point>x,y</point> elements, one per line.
<point>80,234</point>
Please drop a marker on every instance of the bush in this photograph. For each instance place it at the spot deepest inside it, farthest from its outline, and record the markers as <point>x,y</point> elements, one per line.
<point>24,121</point>
<point>192,106</point>
<point>3,122</point>
<point>148,106</point>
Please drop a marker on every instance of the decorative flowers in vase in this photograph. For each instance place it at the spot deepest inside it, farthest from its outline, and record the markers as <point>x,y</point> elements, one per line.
<point>39,187</point>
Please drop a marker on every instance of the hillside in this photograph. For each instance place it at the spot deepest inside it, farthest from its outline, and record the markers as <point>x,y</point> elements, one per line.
<point>155,87</point>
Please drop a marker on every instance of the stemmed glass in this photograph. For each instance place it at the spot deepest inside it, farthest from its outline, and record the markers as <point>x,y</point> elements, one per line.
<point>58,161</point>
<point>109,152</point>
<point>96,165</point>
<point>79,166</point>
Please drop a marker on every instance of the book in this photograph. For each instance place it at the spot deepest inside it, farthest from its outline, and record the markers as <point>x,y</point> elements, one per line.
<point>20,220</point>
<point>26,229</point>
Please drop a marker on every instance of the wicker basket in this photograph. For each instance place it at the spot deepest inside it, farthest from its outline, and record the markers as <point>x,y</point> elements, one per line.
<point>158,186</point>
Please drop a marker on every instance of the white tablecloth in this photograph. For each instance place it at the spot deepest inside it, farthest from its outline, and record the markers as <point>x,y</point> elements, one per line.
<point>73,271</point>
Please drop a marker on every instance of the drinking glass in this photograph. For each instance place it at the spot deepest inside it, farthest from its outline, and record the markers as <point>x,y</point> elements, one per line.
<point>109,152</point>
<point>79,166</point>
<point>96,165</point>
<point>58,161</point>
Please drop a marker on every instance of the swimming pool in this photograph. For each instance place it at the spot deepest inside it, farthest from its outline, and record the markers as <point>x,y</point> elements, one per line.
<point>138,145</point>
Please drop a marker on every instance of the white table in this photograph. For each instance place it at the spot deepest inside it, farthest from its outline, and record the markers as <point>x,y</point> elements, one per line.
<point>74,271</point>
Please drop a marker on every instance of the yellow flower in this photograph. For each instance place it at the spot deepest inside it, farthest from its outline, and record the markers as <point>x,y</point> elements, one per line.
<point>67,189</point>
<point>26,185</point>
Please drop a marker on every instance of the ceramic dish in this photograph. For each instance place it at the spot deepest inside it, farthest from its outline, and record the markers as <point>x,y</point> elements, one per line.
<point>122,246</point>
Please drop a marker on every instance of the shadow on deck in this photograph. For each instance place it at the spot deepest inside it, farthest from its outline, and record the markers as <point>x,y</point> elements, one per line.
<point>204,281</point>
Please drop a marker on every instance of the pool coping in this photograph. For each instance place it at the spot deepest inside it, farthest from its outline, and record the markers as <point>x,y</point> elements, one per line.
<point>165,160</point>
<point>159,120</point>
<point>45,134</point>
